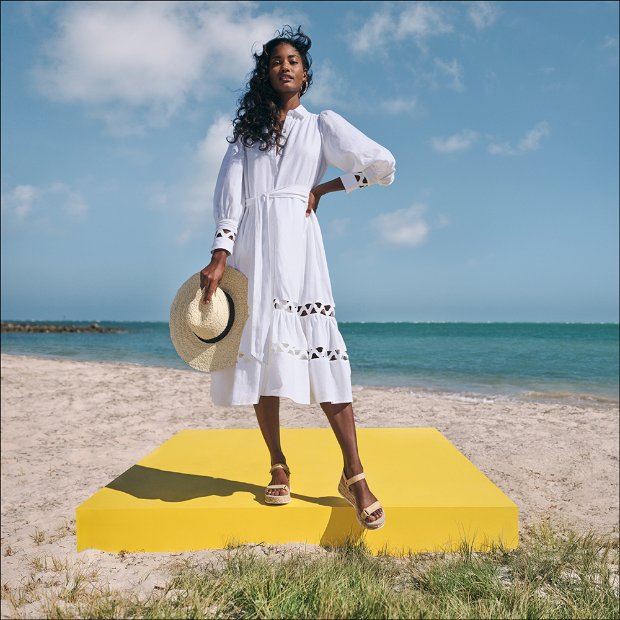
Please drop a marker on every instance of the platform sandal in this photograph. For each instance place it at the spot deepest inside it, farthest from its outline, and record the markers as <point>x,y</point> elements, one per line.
<point>344,488</point>
<point>279,499</point>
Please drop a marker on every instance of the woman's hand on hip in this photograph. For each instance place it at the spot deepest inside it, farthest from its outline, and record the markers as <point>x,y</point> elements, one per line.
<point>313,200</point>
<point>335,185</point>
<point>211,275</point>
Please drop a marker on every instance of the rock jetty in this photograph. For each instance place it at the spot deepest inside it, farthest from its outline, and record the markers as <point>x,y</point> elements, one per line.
<point>53,328</point>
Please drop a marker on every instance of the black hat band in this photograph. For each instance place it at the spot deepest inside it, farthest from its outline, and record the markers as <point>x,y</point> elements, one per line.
<point>231,320</point>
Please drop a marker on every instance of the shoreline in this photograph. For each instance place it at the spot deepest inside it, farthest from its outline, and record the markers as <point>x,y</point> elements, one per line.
<point>579,399</point>
<point>70,427</point>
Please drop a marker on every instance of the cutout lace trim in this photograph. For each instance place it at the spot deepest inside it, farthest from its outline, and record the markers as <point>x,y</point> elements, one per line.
<point>362,181</point>
<point>226,232</point>
<point>315,307</point>
<point>315,353</point>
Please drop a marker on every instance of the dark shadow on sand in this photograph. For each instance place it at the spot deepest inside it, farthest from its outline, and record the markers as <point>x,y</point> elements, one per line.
<point>169,486</point>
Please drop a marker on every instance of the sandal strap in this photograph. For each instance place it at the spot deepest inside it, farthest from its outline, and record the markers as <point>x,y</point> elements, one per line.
<point>369,510</point>
<point>356,478</point>
<point>277,486</point>
<point>283,466</point>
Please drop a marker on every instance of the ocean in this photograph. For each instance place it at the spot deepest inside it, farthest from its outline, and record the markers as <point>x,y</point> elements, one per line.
<point>569,362</point>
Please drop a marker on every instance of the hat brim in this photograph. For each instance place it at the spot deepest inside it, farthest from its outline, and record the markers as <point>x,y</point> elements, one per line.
<point>198,354</point>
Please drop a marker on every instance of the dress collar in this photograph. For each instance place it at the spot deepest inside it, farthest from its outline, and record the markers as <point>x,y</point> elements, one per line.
<point>299,111</point>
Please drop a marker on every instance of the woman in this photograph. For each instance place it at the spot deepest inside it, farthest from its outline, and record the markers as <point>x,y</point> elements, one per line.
<point>266,197</point>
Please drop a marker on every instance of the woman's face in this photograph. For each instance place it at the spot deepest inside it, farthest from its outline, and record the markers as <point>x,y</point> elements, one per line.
<point>286,69</point>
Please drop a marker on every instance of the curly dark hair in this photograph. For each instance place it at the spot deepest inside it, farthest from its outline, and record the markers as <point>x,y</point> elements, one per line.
<point>257,115</point>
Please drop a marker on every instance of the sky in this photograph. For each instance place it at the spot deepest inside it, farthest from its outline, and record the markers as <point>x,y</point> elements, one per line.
<point>502,118</point>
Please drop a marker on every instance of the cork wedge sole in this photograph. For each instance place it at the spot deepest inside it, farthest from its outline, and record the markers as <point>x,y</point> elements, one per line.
<point>345,490</point>
<point>278,500</point>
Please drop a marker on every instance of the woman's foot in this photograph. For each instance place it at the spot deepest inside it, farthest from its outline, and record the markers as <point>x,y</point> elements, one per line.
<point>279,476</point>
<point>363,496</point>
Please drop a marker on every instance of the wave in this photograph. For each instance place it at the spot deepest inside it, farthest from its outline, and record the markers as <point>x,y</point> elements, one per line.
<point>573,397</point>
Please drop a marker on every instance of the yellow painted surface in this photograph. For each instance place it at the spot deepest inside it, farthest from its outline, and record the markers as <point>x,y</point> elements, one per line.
<point>204,489</point>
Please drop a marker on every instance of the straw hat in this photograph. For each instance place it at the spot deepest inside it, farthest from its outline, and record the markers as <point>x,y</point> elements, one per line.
<point>207,336</point>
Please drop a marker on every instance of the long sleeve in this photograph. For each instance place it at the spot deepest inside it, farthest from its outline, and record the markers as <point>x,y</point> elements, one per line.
<point>227,198</point>
<point>364,161</point>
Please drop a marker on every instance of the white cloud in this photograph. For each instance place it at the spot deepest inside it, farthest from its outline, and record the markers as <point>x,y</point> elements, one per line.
<point>482,14</point>
<point>72,201</point>
<point>447,74</point>
<point>417,20</point>
<point>529,142</point>
<point>125,60</point>
<point>457,142</point>
<point>192,198</point>
<point>322,93</point>
<point>197,204</point>
<point>336,228</point>
<point>501,148</point>
<point>43,205</point>
<point>422,20</point>
<point>130,52</point>
<point>19,201</point>
<point>158,196</point>
<point>208,158</point>
<point>609,46</point>
<point>404,226</point>
<point>399,105</point>
<point>372,32</point>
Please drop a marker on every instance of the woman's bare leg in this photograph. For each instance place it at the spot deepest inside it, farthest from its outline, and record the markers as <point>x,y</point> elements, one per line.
<point>341,418</point>
<point>268,416</point>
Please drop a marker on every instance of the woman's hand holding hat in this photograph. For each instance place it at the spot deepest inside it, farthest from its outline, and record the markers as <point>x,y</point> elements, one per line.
<point>211,275</point>
<point>208,335</point>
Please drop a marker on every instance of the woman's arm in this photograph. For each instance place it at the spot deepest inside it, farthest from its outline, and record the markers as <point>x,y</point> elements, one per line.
<point>335,185</point>
<point>227,210</point>
<point>364,161</point>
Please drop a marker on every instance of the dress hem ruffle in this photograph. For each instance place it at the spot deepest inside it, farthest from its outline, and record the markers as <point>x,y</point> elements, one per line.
<point>305,360</point>
<point>291,398</point>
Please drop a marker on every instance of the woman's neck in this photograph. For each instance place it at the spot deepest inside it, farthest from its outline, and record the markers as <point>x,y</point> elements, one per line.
<point>289,102</point>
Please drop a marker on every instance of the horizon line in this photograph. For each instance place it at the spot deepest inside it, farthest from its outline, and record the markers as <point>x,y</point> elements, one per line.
<point>439,322</point>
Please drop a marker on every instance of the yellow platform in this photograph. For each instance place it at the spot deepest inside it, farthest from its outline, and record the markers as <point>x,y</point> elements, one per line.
<point>204,489</point>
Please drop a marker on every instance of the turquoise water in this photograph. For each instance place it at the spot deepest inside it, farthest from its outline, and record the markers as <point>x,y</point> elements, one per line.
<point>542,361</point>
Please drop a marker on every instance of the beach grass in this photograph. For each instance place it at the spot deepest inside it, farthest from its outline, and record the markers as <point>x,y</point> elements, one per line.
<point>556,572</point>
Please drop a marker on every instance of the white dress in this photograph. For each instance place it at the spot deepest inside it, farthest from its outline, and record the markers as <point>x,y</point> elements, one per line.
<point>290,345</point>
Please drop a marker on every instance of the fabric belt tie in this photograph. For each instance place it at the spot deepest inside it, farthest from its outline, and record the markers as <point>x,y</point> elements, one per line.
<point>261,293</point>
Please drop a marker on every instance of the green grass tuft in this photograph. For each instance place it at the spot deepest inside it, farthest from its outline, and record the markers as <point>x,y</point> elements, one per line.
<point>555,573</point>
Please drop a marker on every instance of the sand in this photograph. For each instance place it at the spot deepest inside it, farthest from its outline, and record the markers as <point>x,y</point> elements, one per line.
<point>68,428</point>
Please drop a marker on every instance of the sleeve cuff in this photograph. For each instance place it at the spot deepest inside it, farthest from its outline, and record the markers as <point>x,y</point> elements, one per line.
<point>224,239</point>
<point>227,245</point>
<point>350,182</point>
